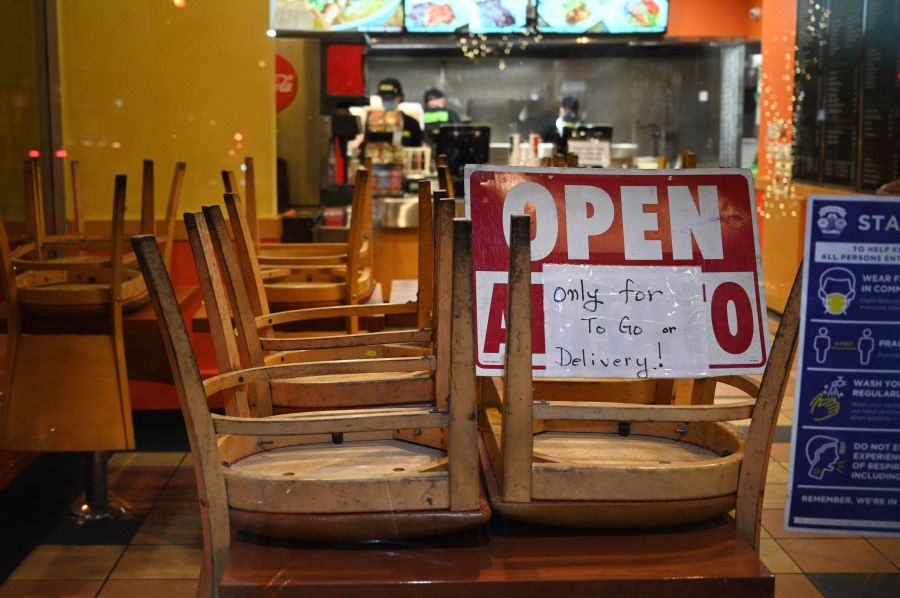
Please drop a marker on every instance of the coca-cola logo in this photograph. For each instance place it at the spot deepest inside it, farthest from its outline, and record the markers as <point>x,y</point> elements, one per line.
<point>285,83</point>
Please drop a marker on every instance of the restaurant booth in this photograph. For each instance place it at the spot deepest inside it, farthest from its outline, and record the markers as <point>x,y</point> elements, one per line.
<point>333,335</point>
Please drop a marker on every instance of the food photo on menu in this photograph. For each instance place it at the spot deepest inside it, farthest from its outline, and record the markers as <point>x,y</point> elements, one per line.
<point>436,16</point>
<point>480,16</point>
<point>603,16</point>
<point>499,16</point>
<point>339,15</point>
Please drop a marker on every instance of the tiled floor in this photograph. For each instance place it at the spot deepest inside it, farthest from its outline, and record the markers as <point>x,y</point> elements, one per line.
<point>160,558</point>
<point>156,552</point>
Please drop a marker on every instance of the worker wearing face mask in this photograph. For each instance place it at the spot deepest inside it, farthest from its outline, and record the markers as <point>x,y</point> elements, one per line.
<point>437,113</point>
<point>560,130</point>
<point>391,93</point>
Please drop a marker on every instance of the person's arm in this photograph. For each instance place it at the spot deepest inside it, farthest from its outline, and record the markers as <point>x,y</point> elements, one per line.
<point>411,126</point>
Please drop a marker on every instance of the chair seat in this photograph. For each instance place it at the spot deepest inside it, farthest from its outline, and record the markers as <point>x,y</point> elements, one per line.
<point>54,294</point>
<point>354,476</point>
<point>295,292</point>
<point>353,390</point>
<point>382,488</point>
<point>657,474</point>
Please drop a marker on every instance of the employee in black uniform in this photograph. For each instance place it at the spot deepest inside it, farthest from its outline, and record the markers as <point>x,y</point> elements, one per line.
<point>391,93</point>
<point>560,130</point>
<point>437,113</point>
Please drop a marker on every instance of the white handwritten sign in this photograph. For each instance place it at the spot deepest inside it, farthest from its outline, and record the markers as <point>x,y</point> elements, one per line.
<point>624,322</point>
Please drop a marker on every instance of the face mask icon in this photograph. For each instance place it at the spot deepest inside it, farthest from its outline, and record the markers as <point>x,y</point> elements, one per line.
<point>837,289</point>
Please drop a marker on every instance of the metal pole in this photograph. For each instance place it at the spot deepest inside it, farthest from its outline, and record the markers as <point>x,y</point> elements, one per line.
<point>96,506</point>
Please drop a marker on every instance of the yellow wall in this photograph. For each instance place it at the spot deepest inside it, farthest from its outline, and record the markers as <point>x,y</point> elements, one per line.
<point>148,79</point>
<point>19,125</point>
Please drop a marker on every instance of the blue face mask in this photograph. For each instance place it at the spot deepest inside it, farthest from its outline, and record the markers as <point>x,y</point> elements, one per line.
<point>390,104</point>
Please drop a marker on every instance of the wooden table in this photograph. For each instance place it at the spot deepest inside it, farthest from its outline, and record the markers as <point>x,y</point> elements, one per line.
<point>508,559</point>
<point>145,355</point>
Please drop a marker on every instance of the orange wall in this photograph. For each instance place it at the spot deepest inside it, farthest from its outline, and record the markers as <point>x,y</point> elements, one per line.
<point>697,19</point>
<point>779,34</point>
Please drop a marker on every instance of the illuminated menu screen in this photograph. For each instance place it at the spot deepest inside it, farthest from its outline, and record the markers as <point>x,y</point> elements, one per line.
<point>616,17</point>
<point>339,15</point>
<point>847,89</point>
<point>477,16</point>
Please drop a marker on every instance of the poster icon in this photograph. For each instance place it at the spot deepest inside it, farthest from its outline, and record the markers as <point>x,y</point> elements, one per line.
<point>827,403</point>
<point>837,289</point>
<point>865,345</point>
<point>824,455</point>
<point>822,344</point>
<point>832,220</point>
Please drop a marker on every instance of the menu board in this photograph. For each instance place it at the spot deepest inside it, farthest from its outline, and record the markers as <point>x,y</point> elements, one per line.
<point>479,16</point>
<point>843,53</point>
<point>880,158</point>
<point>808,91</point>
<point>337,15</point>
<point>848,93</point>
<point>603,16</point>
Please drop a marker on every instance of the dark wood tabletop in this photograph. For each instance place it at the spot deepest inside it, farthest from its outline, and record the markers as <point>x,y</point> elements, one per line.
<point>508,559</point>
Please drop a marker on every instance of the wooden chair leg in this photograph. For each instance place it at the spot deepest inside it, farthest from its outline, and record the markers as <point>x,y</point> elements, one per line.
<point>758,447</point>
<point>518,434</point>
<point>426,256</point>
<point>462,449</point>
<point>148,219</point>
<point>443,290</point>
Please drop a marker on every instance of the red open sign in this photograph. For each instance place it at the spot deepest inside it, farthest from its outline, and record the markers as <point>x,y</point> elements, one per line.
<point>651,274</point>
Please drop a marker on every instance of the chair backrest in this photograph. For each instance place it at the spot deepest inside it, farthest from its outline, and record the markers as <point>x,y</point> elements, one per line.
<point>8,287</point>
<point>520,411</point>
<point>230,182</point>
<point>227,299</point>
<point>148,213</point>
<point>35,225</point>
<point>201,433</point>
<point>77,199</point>
<point>172,211</point>
<point>77,241</point>
<point>445,178</point>
<point>360,254</point>
<point>206,245</point>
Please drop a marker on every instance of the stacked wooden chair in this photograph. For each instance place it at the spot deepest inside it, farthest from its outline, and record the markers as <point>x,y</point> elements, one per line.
<point>61,276</point>
<point>617,464</point>
<point>314,274</point>
<point>53,399</point>
<point>254,274</point>
<point>255,324</point>
<point>331,474</point>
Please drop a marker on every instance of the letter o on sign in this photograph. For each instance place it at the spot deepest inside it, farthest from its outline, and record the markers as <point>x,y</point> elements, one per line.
<point>544,215</point>
<point>739,341</point>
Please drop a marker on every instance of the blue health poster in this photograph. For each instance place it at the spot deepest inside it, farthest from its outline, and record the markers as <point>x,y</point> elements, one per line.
<point>845,460</point>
